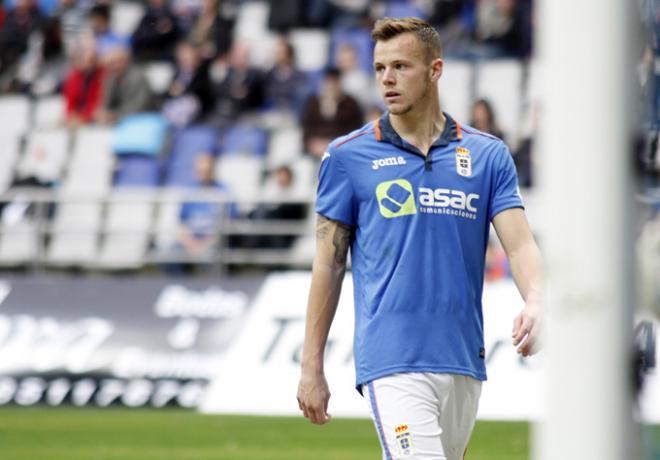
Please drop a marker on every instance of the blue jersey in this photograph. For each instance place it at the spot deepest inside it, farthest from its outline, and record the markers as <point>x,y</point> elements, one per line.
<point>421,229</point>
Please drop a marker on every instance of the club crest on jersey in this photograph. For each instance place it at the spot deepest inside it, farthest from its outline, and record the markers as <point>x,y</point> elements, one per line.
<point>463,162</point>
<point>403,440</point>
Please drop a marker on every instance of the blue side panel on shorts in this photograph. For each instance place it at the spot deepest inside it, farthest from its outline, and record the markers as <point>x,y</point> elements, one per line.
<point>379,423</point>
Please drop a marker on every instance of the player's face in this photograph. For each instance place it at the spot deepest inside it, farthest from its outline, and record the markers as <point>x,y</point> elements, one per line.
<point>404,73</point>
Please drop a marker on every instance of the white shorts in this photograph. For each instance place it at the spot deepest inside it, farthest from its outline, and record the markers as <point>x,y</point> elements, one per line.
<point>423,416</point>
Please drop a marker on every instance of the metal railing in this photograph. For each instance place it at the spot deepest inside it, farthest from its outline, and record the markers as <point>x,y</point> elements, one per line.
<point>42,224</point>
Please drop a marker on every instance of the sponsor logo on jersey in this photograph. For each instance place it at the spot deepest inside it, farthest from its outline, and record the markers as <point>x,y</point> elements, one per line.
<point>391,161</point>
<point>446,201</point>
<point>463,162</point>
<point>403,440</point>
<point>395,198</point>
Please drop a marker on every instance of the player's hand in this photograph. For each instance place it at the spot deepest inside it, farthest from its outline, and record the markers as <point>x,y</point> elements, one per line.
<point>313,397</point>
<point>527,329</point>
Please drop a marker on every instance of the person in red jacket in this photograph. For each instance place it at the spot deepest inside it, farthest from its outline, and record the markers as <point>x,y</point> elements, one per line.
<point>83,87</point>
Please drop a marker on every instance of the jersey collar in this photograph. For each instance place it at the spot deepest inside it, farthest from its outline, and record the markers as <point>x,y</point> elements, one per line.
<point>385,132</point>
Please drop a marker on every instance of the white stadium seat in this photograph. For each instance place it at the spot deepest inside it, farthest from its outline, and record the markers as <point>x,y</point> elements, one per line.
<point>8,158</point>
<point>242,174</point>
<point>15,115</point>
<point>126,230</point>
<point>311,46</point>
<point>18,243</point>
<point>126,17</point>
<point>284,147</point>
<point>501,83</point>
<point>159,76</point>
<point>49,112</point>
<point>75,233</point>
<point>45,155</point>
<point>455,88</point>
<point>252,28</point>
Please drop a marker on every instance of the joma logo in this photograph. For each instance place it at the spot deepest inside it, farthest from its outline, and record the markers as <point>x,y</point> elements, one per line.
<point>391,161</point>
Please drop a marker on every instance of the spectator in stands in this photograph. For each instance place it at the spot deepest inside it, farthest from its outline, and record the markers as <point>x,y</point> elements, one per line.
<point>186,12</point>
<point>20,22</point>
<point>199,221</point>
<point>329,114</point>
<point>106,39</point>
<point>189,95</point>
<point>354,81</point>
<point>83,86</point>
<point>126,90</point>
<point>285,86</point>
<point>279,186</point>
<point>483,118</point>
<point>212,31</point>
<point>503,28</point>
<point>523,157</point>
<point>157,32</point>
<point>237,87</point>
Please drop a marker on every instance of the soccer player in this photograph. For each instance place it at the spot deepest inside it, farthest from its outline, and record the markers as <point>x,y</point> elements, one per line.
<point>413,195</point>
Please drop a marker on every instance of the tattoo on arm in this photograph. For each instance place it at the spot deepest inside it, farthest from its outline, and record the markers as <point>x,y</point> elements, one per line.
<point>342,236</point>
<point>341,240</point>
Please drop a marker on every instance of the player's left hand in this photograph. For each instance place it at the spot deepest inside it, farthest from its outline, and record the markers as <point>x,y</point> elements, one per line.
<point>527,329</point>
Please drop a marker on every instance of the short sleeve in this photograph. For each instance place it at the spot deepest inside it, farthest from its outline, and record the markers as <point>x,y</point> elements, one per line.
<point>506,194</point>
<point>335,197</point>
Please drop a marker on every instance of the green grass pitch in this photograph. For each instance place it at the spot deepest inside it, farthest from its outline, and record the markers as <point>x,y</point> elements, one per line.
<point>143,434</point>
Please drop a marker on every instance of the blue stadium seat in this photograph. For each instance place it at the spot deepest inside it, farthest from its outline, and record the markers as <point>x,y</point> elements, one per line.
<point>187,144</point>
<point>403,9</point>
<point>137,171</point>
<point>47,7</point>
<point>361,41</point>
<point>245,140</point>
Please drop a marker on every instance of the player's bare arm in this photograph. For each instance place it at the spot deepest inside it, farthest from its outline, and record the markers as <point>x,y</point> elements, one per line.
<point>526,267</point>
<point>332,242</point>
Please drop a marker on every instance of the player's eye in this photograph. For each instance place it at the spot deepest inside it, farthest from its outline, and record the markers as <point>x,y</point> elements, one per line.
<point>400,66</point>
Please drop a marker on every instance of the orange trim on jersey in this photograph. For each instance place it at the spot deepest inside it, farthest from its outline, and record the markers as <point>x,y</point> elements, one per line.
<point>352,137</point>
<point>459,131</point>
<point>377,128</point>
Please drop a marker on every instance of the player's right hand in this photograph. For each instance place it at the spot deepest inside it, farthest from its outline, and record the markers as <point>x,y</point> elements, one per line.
<point>313,397</point>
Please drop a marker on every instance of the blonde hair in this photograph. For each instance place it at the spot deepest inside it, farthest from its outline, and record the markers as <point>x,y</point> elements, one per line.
<point>388,28</point>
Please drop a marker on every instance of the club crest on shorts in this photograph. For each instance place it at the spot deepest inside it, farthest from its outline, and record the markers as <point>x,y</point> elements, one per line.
<point>403,440</point>
<point>463,162</point>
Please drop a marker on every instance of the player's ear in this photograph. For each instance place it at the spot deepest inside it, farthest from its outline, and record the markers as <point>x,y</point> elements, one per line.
<point>437,66</point>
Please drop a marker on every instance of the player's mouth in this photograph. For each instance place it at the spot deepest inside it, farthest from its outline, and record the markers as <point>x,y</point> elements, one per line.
<point>391,96</point>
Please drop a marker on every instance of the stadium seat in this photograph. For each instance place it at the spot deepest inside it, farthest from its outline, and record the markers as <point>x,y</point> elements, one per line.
<point>15,115</point>
<point>137,171</point>
<point>243,140</point>
<point>142,133</point>
<point>187,145</point>
<point>159,76</point>
<point>284,147</point>
<point>455,87</point>
<point>311,47</point>
<point>48,112</point>
<point>501,83</point>
<point>252,28</point>
<point>360,40</point>
<point>75,233</point>
<point>167,219</point>
<point>18,243</point>
<point>126,230</point>
<point>242,174</point>
<point>403,9</point>
<point>126,16</point>
<point>305,172</point>
<point>45,155</point>
<point>92,162</point>
<point>10,150</point>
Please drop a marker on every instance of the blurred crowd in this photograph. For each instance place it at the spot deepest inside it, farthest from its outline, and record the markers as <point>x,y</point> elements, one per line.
<point>185,61</point>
